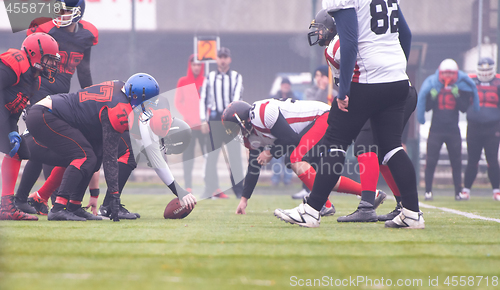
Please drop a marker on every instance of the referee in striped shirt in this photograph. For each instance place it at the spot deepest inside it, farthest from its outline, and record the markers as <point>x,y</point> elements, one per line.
<point>220,88</point>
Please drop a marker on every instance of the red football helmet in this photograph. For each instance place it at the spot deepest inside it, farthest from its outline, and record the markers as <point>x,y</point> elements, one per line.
<point>43,53</point>
<point>448,72</point>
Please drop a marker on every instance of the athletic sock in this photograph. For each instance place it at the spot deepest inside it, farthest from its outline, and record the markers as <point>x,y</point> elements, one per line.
<point>369,171</point>
<point>347,185</point>
<point>404,175</point>
<point>389,179</point>
<point>328,203</point>
<point>10,171</point>
<point>74,205</point>
<point>60,204</point>
<point>52,183</point>
<point>308,177</point>
<point>30,175</point>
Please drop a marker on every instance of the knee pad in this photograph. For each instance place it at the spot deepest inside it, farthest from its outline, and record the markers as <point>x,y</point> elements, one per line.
<point>391,153</point>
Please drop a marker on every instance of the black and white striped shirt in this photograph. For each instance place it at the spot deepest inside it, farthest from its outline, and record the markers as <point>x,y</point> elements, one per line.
<point>218,91</point>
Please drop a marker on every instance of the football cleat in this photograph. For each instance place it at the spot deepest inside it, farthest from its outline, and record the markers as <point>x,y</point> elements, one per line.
<point>8,211</point>
<point>219,194</point>
<point>391,215</point>
<point>462,196</point>
<point>361,215</point>
<point>380,196</point>
<point>496,194</point>
<point>407,219</point>
<point>327,211</point>
<point>24,206</point>
<point>123,213</point>
<point>38,203</point>
<point>303,215</point>
<point>428,196</point>
<point>64,215</point>
<point>301,194</point>
<point>86,215</point>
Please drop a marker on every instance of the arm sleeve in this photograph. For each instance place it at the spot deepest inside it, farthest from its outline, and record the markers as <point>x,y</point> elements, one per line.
<point>253,173</point>
<point>285,135</point>
<point>153,153</point>
<point>110,139</point>
<point>84,76</point>
<point>203,99</point>
<point>404,35</point>
<point>347,28</point>
<point>238,89</point>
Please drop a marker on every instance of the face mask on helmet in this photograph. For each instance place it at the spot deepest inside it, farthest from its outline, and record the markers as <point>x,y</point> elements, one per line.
<point>177,139</point>
<point>236,117</point>
<point>140,88</point>
<point>485,69</point>
<point>448,72</point>
<point>43,54</point>
<point>71,11</point>
<point>322,29</point>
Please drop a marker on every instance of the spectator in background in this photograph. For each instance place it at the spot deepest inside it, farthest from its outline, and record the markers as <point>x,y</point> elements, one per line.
<point>278,166</point>
<point>285,91</point>
<point>445,92</point>
<point>187,102</point>
<point>319,90</point>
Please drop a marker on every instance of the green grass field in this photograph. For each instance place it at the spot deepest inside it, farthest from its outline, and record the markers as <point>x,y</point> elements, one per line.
<point>215,249</point>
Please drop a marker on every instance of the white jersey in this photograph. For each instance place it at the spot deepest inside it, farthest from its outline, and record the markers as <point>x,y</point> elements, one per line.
<point>380,57</point>
<point>264,114</point>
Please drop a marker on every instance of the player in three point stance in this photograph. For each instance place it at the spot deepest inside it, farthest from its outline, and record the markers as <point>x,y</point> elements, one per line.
<point>84,128</point>
<point>378,94</point>
<point>75,38</point>
<point>274,128</point>
<point>20,77</point>
<point>483,127</point>
<point>324,33</point>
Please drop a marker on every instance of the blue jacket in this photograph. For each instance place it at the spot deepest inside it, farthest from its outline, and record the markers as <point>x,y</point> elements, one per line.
<point>464,83</point>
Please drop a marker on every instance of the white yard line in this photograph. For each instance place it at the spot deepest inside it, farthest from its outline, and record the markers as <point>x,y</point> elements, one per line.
<point>465,214</point>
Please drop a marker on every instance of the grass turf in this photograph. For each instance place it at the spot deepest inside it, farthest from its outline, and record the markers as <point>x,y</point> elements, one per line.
<point>215,249</point>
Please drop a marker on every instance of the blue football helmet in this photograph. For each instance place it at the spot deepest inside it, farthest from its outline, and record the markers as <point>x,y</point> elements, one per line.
<point>140,88</point>
<point>486,69</point>
<point>71,12</point>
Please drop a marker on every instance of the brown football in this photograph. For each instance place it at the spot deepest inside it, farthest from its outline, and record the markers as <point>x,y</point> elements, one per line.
<point>175,210</point>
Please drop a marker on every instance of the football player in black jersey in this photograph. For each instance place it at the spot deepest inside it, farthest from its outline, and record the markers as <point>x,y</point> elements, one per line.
<point>20,72</point>
<point>75,38</point>
<point>85,129</point>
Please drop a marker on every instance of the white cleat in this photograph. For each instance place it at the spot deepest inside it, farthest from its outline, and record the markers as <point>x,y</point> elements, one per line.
<point>301,194</point>
<point>464,195</point>
<point>407,219</point>
<point>496,194</point>
<point>428,196</point>
<point>303,215</point>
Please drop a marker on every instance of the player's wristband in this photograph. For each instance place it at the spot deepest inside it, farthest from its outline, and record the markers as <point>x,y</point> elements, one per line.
<point>94,192</point>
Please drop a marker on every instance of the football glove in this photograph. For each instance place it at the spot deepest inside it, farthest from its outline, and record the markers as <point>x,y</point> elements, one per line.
<point>434,94</point>
<point>454,91</point>
<point>15,142</point>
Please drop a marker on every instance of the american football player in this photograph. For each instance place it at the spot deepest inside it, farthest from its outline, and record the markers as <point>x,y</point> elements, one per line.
<point>20,75</point>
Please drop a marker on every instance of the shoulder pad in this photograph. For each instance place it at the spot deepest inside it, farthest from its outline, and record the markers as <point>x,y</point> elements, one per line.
<point>16,60</point>
<point>90,27</point>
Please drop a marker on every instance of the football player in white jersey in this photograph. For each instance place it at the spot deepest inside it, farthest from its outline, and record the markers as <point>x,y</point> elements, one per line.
<point>324,33</point>
<point>274,128</point>
<point>374,36</point>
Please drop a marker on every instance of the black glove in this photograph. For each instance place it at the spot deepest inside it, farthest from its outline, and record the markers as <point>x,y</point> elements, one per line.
<point>114,206</point>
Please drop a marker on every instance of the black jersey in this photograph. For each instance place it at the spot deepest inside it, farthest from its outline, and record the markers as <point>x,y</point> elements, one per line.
<point>489,105</point>
<point>82,110</point>
<point>445,110</point>
<point>74,49</point>
<point>16,95</point>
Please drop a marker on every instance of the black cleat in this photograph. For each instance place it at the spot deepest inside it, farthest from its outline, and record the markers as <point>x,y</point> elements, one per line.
<point>38,204</point>
<point>123,213</point>
<point>86,215</point>
<point>391,215</point>
<point>64,215</point>
<point>24,207</point>
<point>361,215</point>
